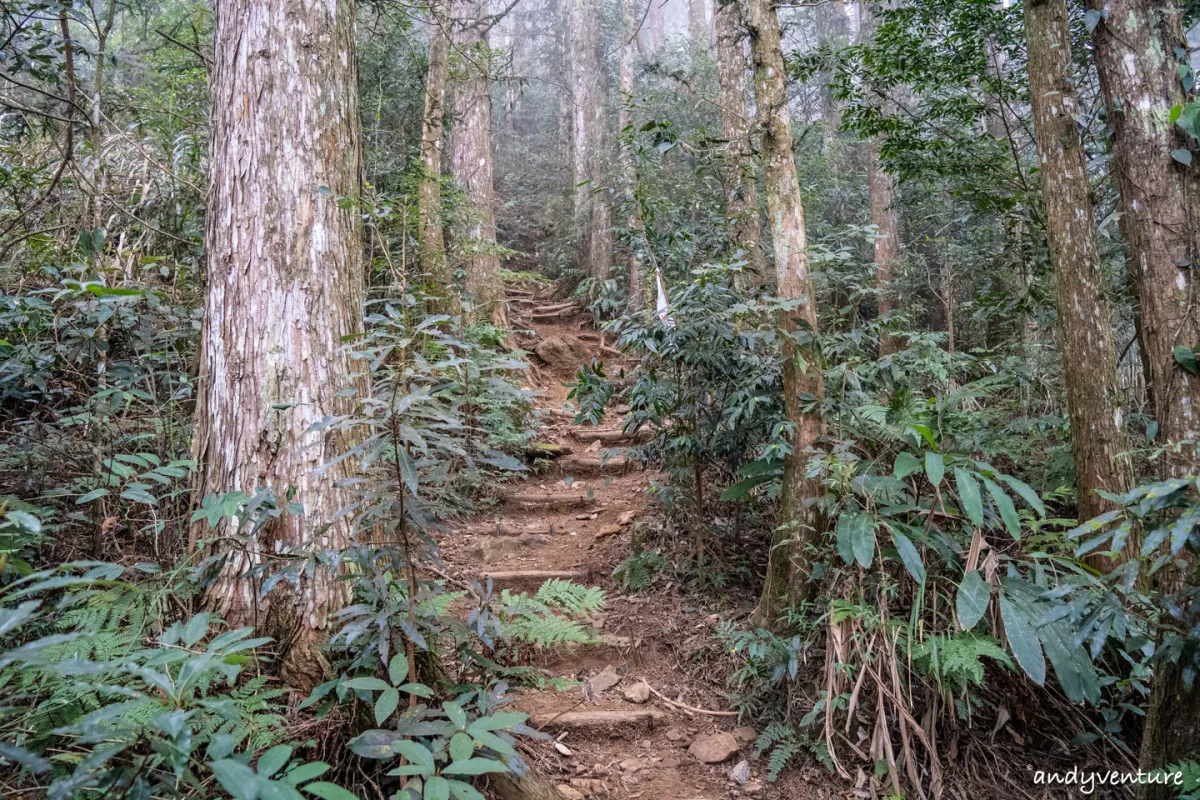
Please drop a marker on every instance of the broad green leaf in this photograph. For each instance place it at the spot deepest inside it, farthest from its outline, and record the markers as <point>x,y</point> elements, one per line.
<point>456,715</point>
<point>972,600</point>
<point>1182,529</point>
<point>236,778</point>
<point>437,789</point>
<point>94,494</point>
<point>1026,493</point>
<point>845,545</point>
<point>474,766</point>
<point>935,467</point>
<point>499,721</point>
<point>305,772</point>
<point>1004,504</point>
<point>417,754</point>
<point>1185,356</point>
<point>386,704</point>
<point>329,791</point>
<point>743,488</point>
<point>273,760</point>
<point>968,495</point>
<point>464,791</point>
<point>909,555</point>
<point>1023,639</point>
<point>461,747</point>
<point>398,669</point>
<point>906,464</point>
<point>367,684</point>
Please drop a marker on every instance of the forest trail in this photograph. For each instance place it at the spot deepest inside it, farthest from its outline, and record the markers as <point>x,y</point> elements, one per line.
<point>615,734</point>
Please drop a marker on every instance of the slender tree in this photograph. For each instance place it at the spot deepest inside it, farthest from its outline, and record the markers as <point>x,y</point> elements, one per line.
<point>628,164</point>
<point>284,290</point>
<point>739,181</point>
<point>471,157</point>
<point>434,265</point>
<point>833,32</point>
<point>1136,42</point>
<point>801,523</point>
<point>881,201</point>
<point>591,213</point>
<point>1089,357</point>
<point>698,25</point>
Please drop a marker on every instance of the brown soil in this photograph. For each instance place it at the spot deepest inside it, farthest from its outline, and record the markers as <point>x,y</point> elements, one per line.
<point>648,636</point>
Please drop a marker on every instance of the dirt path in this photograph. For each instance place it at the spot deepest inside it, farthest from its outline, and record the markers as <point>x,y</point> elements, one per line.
<point>614,738</point>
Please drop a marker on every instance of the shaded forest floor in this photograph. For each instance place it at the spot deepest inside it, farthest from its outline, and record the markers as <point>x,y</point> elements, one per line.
<point>616,733</point>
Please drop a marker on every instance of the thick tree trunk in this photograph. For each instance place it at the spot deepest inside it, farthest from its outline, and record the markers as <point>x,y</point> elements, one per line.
<point>740,182</point>
<point>436,275</point>
<point>591,213</point>
<point>800,522</point>
<point>284,289</point>
<point>471,161</point>
<point>1135,46</point>
<point>1089,357</point>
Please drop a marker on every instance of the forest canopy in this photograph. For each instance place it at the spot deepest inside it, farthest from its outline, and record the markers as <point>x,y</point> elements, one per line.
<point>599,398</point>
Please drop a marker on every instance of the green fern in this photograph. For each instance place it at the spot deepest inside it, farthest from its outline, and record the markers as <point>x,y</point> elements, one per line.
<point>955,661</point>
<point>571,598</point>
<point>545,619</point>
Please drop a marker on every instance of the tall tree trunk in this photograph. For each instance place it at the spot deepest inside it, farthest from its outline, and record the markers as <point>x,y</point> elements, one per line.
<point>881,189</point>
<point>284,289</point>
<point>800,522</point>
<point>437,278</point>
<point>628,165</point>
<point>740,182</point>
<point>1089,356</point>
<point>471,161</point>
<point>881,200</point>
<point>591,213</point>
<point>1135,46</point>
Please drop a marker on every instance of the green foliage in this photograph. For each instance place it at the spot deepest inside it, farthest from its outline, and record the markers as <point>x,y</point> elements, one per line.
<point>638,569</point>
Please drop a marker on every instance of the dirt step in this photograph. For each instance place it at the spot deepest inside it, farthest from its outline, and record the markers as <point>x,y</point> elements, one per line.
<point>587,465</point>
<point>533,577</point>
<point>505,528</point>
<point>593,720</point>
<point>608,436</point>
<point>549,500</point>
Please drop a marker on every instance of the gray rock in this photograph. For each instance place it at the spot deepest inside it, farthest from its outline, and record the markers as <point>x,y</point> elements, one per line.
<point>562,352</point>
<point>636,693</point>
<point>713,748</point>
<point>607,679</point>
<point>741,773</point>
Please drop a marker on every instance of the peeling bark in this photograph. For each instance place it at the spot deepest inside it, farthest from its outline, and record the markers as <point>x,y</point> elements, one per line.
<point>740,182</point>
<point>801,523</point>
<point>284,288</point>
<point>1089,357</point>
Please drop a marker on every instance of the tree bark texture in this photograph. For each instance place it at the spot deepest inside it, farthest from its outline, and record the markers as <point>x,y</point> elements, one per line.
<point>471,161</point>
<point>801,525</point>
<point>833,32</point>
<point>633,264</point>
<point>436,275</point>
<point>739,179</point>
<point>1135,45</point>
<point>698,26</point>
<point>284,287</point>
<point>591,213</point>
<point>1086,341</point>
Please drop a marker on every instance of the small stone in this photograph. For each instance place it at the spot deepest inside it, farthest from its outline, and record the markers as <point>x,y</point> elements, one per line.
<point>608,530</point>
<point>632,765</point>
<point>670,762</point>
<point>745,735</point>
<point>636,693</point>
<point>713,748</point>
<point>674,734</point>
<point>626,517</point>
<point>592,515</point>
<point>753,787</point>
<point>594,447</point>
<point>588,786</point>
<point>562,748</point>
<point>570,793</point>
<point>607,679</point>
<point>741,773</point>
